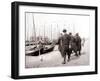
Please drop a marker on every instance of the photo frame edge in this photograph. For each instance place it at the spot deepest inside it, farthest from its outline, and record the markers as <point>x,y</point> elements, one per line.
<point>15,43</point>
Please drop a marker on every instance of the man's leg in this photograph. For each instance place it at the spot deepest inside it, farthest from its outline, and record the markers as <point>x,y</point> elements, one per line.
<point>76,53</point>
<point>64,58</point>
<point>79,52</point>
<point>69,54</point>
<point>69,57</point>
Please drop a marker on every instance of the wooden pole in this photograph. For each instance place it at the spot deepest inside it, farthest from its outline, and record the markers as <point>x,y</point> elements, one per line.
<point>34,30</point>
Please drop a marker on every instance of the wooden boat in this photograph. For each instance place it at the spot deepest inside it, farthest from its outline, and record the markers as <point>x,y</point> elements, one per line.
<point>33,49</point>
<point>37,52</point>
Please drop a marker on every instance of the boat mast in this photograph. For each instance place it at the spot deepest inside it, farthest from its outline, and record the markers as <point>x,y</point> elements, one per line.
<point>51,32</point>
<point>27,36</point>
<point>34,30</point>
<point>28,32</point>
<point>27,29</point>
<point>44,32</point>
<point>73,28</point>
<point>58,31</point>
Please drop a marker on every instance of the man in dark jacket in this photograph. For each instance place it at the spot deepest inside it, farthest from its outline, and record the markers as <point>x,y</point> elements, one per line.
<point>65,46</point>
<point>78,43</point>
<point>73,46</point>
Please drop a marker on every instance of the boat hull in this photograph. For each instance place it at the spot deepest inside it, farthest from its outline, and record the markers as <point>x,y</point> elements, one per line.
<point>41,51</point>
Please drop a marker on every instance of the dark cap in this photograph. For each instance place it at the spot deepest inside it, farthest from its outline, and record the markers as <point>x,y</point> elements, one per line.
<point>77,34</point>
<point>64,30</point>
<point>70,33</point>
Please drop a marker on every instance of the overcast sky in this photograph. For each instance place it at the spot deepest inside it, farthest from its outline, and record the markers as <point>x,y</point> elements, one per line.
<point>55,23</point>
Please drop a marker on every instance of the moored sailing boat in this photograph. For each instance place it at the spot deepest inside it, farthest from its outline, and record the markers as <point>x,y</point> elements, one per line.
<point>44,50</point>
<point>38,47</point>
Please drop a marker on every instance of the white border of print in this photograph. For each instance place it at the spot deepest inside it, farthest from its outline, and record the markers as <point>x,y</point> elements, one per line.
<point>53,70</point>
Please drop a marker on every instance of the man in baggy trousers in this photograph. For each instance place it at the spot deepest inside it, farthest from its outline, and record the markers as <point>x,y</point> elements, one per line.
<point>64,49</point>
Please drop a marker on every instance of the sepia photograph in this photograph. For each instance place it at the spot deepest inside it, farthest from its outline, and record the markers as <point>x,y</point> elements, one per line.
<point>51,40</point>
<point>56,39</point>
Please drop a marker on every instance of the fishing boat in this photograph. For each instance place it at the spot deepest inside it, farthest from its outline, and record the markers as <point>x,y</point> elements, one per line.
<point>37,51</point>
<point>33,49</point>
